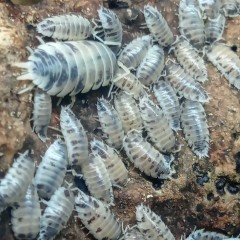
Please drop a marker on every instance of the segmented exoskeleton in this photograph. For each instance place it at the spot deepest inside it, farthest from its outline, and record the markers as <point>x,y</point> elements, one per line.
<point>230,8</point>
<point>210,8</point>
<point>133,233</point>
<point>206,235</point>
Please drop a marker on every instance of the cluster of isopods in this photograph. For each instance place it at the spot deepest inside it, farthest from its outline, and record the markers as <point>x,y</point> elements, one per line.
<point>75,65</point>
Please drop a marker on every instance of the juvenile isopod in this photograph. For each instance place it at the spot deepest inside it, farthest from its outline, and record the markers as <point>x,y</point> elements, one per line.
<point>42,112</point>
<point>128,111</point>
<point>151,67</point>
<point>57,213</point>
<point>26,215</point>
<point>158,26</point>
<point>134,234</point>
<point>195,127</point>
<point>206,235</point>
<point>116,169</point>
<point>97,217</point>
<point>156,125</point>
<point>191,24</point>
<point>75,137</point>
<point>230,8</point>
<point>62,68</point>
<point>97,179</point>
<point>16,181</point>
<point>169,103</point>
<point>65,27</point>
<point>145,157</point>
<point>51,170</point>
<point>151,225</point>
<point>226,61</point>
<point>110,122</point>
<point>184,84</point>
<point>189,59</point>
<point>210,8</point>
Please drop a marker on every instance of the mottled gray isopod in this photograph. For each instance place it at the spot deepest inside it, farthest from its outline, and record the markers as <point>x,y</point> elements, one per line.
<point>210,8</point>
<point>205,235</point>
<point>134,234</point>
<point>230,8</point>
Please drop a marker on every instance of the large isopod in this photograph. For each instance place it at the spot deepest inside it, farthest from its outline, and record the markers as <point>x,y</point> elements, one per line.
<point>189,59</point>
<point>57,213</point>
<point>42,112</point>
<point>75,137</point>
<point>156,125</point>
<point>158,26</point>
<point>184,84</point>
<point>65,27</point>
<point>97,217</point>
<point>116,169</point>
<point>151,67</point>
<point>151,225</point>
<point>145,157</point>
<point>111,123</point>
<point>226,61</point>
<point>26,215</point>
<point>51,170</point>
<point>97,179</point>
<point>195,127</point>
<point>206,235</point>
<point>168,101</point>
<point>128,111</point>
<point>16,181</point>
<point>62,68</point>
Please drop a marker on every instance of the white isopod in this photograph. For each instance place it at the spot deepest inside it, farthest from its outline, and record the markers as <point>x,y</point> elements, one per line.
<point>157,125</point>
<point>210,8</point>
<point>26,215</point>
<point>169,103</point>
<point>75,137</point>
<point>62,68</point>
<point>116,169</point>
<point>191,24</point>
<point>111,123</point>
<point>97,217</point>
<point>57,213</point>
<point>134,234</point>
<point>145,157</point>
<point>128,111</point>
<point>151,67</point>
<point>97,179</point>
<point>132,55</point>
<point>158,26</point>
<point>205,235</point>
<point>151,225</point>
<point>214,28</point>
<point>51,170</point>
<point>16,181</point>
<point>226,61</point>
<point>65,27</point>
<point>184,84</point>
<point>195,127</point>
<point>42,112</point>
<point>230,8</point>
<point>189,59</point>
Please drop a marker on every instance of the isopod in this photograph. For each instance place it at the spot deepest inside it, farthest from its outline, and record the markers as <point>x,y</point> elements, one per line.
<point>110,122</point>
<point>226,61</point>
<point>97,217</point>
<point>42,112</point>
<point>145,157</point>
<point>151,225</point>
<point>128,111</point>
<point>116,169</point>
<point>158,26</point>
<point>195,127</point>
<point>157,125</point>
<point>16,181</point>
<point>189,59</point>
<point>75,137</point>
<point>230,8</point>
<point>206,235</point>
<point>214,28</point>
<point>151,67</point>
<point>132,55</point>
<point>184,84</point>
<point>191,24</point>
<point>26,215</point>
<point>134,234</point>
<point>51,170</point>
<point>169,102</point>
<point>65,27</point>
<point>62,68</point>
<point>97,179</point>
<point>210,8</point>
<point>57,213</point>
